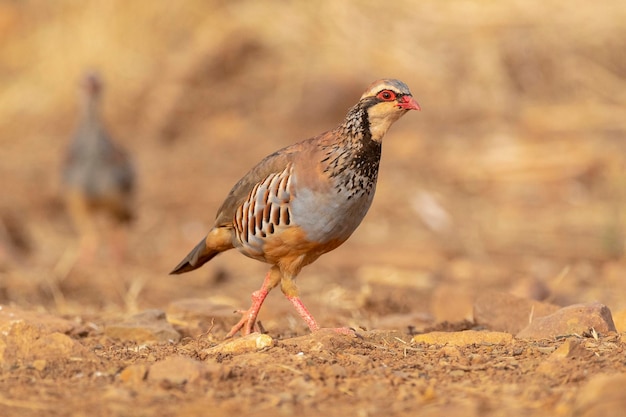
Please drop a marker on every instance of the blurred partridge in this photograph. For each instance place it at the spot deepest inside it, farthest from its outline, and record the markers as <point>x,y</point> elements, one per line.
<point>306,199</point>
<point>98,175</point>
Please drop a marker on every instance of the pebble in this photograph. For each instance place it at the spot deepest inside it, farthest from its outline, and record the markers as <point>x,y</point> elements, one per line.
<point>464,338</point>
<point>249,343</point>
<point>134,374</point>
<point>576,319</point>
<point>504,312</point>
<point>145,327</point>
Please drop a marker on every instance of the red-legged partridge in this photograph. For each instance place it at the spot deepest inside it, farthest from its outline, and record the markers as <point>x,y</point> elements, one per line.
<point>98,175</point>
<point>306,199</point>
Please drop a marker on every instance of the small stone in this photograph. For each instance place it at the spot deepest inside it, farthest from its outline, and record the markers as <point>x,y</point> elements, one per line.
<point>40,364</point>
<point>449,352</point>
<point>134,374</point>
<point>602,396</point>
<point>571,348</point>
<point>176,370</point>
<point>145,327</point>
<point>572,320</point>
<point>504,312</point>
<point>251,342</point>
<point>464,338</point>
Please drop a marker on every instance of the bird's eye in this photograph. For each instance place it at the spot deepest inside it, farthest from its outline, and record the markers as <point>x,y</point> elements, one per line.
<point>387,95</point>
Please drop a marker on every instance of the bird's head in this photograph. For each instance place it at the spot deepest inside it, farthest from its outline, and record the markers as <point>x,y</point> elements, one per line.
<point>91,84</point>
<point>385,101</point>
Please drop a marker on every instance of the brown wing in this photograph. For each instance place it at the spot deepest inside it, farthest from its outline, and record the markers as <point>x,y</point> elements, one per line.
<point>272,164</point>
<point>221,235</point>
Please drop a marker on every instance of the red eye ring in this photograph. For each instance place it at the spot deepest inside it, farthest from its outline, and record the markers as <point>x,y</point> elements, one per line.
<point>386,95</point>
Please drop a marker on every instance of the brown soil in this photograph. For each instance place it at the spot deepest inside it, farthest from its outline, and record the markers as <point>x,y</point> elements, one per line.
<point>512,178</point>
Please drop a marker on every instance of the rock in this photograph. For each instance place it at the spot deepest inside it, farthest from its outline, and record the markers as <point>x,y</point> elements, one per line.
<point>571,348</point>
<point>452,302</point>
<point>574,319</point>
<point>176,370</point>
<point>30,336</point>
<point>619,319</point>
<point>40,364</point>
<point>57,346</point>
<point>504,312</point>
<point>145,327</point>
<point>466,337</point>
<point>40,323</point>
<point>134,374</point>
<point>251,342</point>
<point>602,396</point>
<point>195,316</point>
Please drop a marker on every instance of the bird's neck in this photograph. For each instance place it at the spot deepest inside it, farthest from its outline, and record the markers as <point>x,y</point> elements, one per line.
<point>353,157</point>
<point>90,122</point>
<point>358,134</point>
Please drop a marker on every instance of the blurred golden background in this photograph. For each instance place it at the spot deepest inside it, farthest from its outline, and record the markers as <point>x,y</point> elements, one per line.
<point>512,176</point>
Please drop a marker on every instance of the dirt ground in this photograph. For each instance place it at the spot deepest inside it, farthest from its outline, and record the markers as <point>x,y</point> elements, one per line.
<point>510,179</point>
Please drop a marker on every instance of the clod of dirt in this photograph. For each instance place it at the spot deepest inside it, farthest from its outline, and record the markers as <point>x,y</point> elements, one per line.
<point>576,319</point>
<point>145,327</point>
<point>501,311</point>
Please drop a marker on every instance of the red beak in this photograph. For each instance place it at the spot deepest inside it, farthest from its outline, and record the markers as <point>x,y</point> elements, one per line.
<point>408,103</point>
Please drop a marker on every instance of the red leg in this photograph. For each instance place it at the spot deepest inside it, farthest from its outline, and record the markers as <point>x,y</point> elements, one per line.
<point>310,321</point>
<point>246,324</point>
<point>304,313</point>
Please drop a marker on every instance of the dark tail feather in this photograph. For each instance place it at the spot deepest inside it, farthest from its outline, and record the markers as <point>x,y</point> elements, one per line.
<point>196,258</point>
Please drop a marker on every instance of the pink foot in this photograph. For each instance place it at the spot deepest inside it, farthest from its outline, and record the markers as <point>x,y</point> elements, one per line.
<point>246,324</point>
